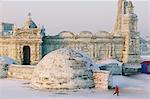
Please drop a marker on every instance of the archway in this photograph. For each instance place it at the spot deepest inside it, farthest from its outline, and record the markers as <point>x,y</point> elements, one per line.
<point>26,55</point>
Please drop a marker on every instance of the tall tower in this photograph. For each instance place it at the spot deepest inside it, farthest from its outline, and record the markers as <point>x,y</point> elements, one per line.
<point>121,11</point>
<point>131,53</point>
<point>126,26</point>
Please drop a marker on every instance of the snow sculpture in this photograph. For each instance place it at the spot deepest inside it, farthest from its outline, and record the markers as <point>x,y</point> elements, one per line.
<point>4,62</point>
<point>63,69</point>
<point>112,65</point>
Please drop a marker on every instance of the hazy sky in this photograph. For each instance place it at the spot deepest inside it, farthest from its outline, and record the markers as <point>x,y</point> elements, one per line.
<point>71,15</point>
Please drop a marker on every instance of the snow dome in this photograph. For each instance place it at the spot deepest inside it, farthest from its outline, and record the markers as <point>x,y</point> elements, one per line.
<point>4,62</point>
<point>63,69</point>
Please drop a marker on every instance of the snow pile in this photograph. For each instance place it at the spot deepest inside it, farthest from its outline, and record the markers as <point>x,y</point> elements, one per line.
<point>63,69</point>
<point>108,61</point>
<point>3,70</point>
<point>145,58</point>
<point>4,62</point>
<point>112,65</point>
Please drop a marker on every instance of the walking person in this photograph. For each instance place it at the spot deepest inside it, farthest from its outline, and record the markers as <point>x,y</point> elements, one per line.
<point>116,90</point>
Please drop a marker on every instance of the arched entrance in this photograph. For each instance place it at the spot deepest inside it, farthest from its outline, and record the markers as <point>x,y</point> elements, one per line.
<point>26,55</point>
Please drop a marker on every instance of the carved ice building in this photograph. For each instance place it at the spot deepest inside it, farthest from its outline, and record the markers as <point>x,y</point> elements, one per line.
<point>28,44</point>
<point>23,44</point>
<point>122,43</point>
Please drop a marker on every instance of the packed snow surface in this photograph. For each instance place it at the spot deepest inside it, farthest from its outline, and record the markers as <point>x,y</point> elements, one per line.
<point>63,69</point>
<point>131,87</point>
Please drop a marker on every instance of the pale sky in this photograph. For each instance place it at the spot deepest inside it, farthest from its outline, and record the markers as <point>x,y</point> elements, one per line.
<point>74,16</point>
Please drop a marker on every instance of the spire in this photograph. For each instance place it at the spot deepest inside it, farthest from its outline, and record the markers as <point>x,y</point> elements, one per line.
<point>43,31</point>
<point>120,7</point>
<point>130,7</point>
<point>43,28</point>
<point>29,16</point>
<point>120,11</point>
<point>29,23</point>
<point>130,4</point>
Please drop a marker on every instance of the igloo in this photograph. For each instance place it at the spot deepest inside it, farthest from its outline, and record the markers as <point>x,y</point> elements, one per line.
<point>63,69</point>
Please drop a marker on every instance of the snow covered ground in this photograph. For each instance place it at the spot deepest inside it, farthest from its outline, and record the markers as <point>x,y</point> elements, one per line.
<point>131,87</point>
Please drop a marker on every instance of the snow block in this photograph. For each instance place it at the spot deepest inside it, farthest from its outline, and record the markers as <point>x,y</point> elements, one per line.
<point>102,79</point>
<point>20,71</point>
<point>3,70</point>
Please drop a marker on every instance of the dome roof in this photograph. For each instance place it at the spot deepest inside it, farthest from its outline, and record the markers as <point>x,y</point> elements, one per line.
<point>85,34</point>
<point>63,69</point>
<point>102,34</point>
<point>29,23</point>
<point>66,34</point>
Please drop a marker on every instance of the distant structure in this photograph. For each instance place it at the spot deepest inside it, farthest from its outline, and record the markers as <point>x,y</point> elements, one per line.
<point>23,44</point>
<point>6,29</point>
<point>126,26</point>
<point>28,44</point>
<point>144,46</point>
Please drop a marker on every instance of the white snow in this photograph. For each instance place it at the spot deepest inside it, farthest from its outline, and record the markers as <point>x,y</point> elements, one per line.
<point>6,60</point>
<point>112,65</point>
<point>108,61</point>
<point>131,87</point>
<point>63,69</point>
<point>145,58</point>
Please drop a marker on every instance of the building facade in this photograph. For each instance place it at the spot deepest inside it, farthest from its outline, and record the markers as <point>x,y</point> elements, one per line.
<point>6,29</point>
<point>28,44</point>
<point>144,46</point>
<point>126,26</point>
<point>101,45</point>
<point>24,44</point>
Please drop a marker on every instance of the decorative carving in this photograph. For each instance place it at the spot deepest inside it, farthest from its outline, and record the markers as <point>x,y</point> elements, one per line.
<point>96,45</point>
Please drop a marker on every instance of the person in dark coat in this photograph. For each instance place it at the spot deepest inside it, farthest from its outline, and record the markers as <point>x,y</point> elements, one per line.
<point>116,90</point>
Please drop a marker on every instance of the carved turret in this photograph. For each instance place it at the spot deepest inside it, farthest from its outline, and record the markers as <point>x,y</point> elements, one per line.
<point>130,8</point>
<point>43,31</point>
<point>131,52</point>
<point>29,23</point>
<point>117,28</point>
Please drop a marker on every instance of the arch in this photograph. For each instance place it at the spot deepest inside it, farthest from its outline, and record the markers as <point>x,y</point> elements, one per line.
<point>86,34</point>
<point>66,34</point>
<point>102,34</point>
<point>26,55</point>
